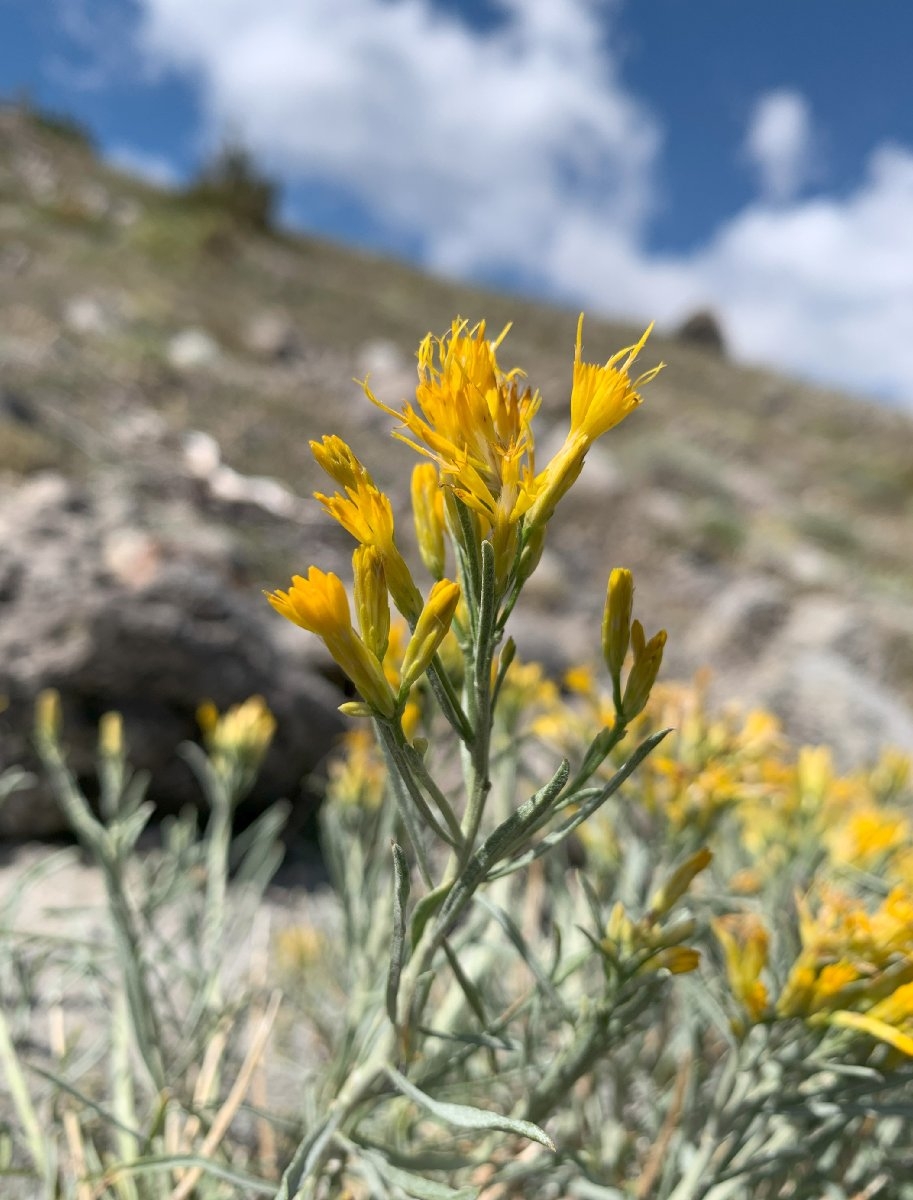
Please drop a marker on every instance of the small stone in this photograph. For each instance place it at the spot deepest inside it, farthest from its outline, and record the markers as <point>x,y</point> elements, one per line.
<point>272,336</point>
<point>132,557</point>
<point>86,315</point>
<point>192,349</point>
<point>202,454</point>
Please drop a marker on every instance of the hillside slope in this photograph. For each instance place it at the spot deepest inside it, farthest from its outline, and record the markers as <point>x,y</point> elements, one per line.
<point>769,524</point>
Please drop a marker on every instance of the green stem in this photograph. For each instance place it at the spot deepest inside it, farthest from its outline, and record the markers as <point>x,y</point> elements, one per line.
<point>315,1149</point>
<point>599,749</point>
<point>567,1068</point>
<point>480,704</point>
<point>408,768</point>
<point>449,701</point>
<point>404,801</point>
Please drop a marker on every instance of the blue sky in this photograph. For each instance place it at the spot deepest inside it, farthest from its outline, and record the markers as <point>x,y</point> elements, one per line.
<point>637,157</point>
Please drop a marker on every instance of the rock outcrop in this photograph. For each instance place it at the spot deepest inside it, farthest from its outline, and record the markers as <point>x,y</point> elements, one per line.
<point>140,603</point>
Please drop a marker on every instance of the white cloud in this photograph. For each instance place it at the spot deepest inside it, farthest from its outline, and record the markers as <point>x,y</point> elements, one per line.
<point>472,141</point>
<point>780,143</point>
<point>520,149</point>
<point>824,286</point>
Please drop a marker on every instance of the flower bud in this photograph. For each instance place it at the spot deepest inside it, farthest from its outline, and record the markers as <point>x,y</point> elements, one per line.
<point>644,671</point>
<point>430,630</point>
<point>678,960</point>
<point>372,605</point>
<point>679,882</point>
<point>428,513</point>
<point>616,620</point>
<point>47,715</point>
<point>744,941</point>
<point>111,735</point>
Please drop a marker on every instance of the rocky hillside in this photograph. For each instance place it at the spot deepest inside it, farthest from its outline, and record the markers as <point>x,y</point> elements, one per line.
<point>161,372</point>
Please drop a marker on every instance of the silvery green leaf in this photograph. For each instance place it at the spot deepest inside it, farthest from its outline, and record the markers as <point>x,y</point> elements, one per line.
<point>463,1116</point>
<point>487,1041</point>
<point>425,910</point>
<point>516,938</point>
<point>398,943</point>
<point>415,1186</point>
<point>595,800</point>
<point>499,844</point>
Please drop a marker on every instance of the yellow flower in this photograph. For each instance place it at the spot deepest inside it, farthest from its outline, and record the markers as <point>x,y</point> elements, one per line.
<point>580,680</point>
<point>111,735</point>
<point>430,630</point>
<point>474,420</point>
<point>868,1023</point>
<point>339,462</point>
<point>320,605</point>
<point>299,948</point>
<point>850,958</point>
<point>428,512</point>
<point>616,620</point>
<point>48,720</point>
<point>744,941</point>
<point>358,776</point>
<point>866,836</point>
<point>371,602</point>
<point>366,513</point>
<point>679,882</point>
<point>240,735</point>
<point>601,397</point>
<point>678,960</point>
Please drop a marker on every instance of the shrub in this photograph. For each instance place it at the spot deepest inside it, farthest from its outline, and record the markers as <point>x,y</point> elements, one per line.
<point>680,967</point>
<point>231,183</point>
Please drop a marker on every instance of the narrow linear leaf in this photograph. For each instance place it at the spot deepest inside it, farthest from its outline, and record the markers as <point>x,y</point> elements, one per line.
<point>401,886</point>
<point>500,842</point>
<point>593,802</point>
<point>415,1186</point>
<point>463,1116</point>
<point>425,910</point>
<point>470,1039</point>
<point>168,1162</point>
<point>59,1082</point>
<point>467,987</point>
<point>516,938</point>
<point>591,898</point>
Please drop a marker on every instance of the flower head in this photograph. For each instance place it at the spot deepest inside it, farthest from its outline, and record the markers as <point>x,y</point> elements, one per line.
<point>431,628</point>
<point>243,732</point>
<point>320,605</point>
<point>601,397</point>
<point>745,943</point>
<point>365,512</point>
<point>474,421</point>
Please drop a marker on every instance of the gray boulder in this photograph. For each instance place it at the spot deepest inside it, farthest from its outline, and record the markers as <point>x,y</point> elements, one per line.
<point>144,608</point>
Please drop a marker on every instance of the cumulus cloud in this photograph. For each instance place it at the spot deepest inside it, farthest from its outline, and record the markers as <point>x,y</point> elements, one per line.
<point>780,143</point>
<point>471,141</point>
<point>519,150</point>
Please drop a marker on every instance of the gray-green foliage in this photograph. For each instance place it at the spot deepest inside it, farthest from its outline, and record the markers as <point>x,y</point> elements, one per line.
<point>126,1060</point>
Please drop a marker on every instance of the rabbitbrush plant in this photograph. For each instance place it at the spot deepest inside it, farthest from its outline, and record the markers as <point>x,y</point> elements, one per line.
<point>456,848</point>
<point>595,942</point>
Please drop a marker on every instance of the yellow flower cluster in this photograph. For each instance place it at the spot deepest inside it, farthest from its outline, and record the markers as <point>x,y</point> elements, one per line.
<point>472,424</point>
<point>652,943</point>
<point>358,775</point>
<point>854,970</point>
<point>241,735</point>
